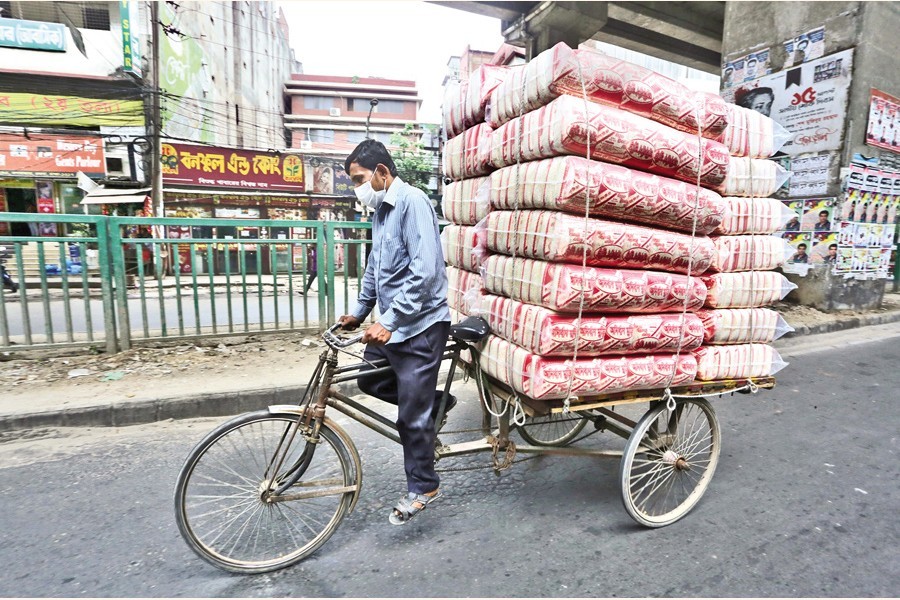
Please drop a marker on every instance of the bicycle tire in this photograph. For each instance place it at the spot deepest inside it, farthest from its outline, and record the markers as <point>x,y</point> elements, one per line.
<point>662,476</point>
<point>283,532</point>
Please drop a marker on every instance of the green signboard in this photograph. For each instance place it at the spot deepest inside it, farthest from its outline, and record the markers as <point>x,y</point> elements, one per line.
<point>32,35</point>
<point>131,53</point>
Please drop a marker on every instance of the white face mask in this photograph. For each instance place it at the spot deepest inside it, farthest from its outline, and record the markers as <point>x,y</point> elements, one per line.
<point>368,196</point>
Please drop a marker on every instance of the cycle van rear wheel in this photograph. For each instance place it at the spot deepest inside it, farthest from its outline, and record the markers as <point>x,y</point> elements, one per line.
<point>220,505</point>
<point>669,461</point>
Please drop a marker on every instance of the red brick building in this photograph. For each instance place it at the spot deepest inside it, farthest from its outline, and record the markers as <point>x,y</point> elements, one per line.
<point>326,115</point>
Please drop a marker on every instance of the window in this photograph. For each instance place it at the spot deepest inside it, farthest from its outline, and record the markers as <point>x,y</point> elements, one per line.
<point>394,107</point>
<point>384,106</point>
<point>355,137</point>
<point>318,102</point>
<point>85,15</point>
<point>321,136</point>
<point>114,165</point>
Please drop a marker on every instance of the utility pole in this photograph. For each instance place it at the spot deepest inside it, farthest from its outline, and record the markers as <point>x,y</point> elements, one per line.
<point>156,195</point>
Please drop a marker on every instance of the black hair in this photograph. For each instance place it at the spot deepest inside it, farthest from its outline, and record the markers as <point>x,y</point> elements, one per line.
<point>823,212</point>
<point>830,246</point>
<point>369,154</point>
<point>747,100</point>
<point>801,245</point>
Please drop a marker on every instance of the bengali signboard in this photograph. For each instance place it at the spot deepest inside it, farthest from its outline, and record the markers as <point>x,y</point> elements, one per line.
<point>883,129</point>
<point>230,168</point>
<point>269,200</point>
<point>44,155</point>
<point>32,35</point>
<point>46,109</point>
<point>809,100</point>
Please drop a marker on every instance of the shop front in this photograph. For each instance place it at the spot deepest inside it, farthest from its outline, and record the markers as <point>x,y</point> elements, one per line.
<point>202,182</point>
<point>39,174</point>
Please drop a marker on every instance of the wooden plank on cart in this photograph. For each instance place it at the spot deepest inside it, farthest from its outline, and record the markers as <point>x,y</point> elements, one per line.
<point>697,388</point>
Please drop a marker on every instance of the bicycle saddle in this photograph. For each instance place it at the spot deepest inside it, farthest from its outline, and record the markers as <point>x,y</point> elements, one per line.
<point>471,329</point>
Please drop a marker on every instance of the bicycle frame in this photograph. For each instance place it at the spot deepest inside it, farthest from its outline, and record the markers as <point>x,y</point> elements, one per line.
<point>328,373</point>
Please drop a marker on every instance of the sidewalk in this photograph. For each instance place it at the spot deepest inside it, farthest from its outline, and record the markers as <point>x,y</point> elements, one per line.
<point>227,377</point>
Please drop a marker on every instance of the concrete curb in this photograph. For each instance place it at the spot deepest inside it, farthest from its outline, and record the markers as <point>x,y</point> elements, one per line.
<point>138,412</point>
<point>151,410</point>
<point>844,324</point>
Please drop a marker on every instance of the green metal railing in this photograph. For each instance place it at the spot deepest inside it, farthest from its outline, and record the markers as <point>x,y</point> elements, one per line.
<point>165,287</point>
<point>27,320</point>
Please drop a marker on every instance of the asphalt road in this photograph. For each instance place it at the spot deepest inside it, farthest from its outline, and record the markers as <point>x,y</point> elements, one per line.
<point>804,503</point>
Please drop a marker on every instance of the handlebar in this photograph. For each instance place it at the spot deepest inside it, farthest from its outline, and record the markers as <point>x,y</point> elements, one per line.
<point>339,342</point>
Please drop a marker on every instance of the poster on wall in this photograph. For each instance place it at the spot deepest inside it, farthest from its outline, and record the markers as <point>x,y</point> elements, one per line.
<point>801,242</point>
<point>809,100</point>
<point>805,47</point>
<point>733,73</point>
<point>825,248</point>
<point>817,215</point>
<point>746,68</point>
<point>45,205</point>
<point>322,180</point>
<point>4,227</point>
<point>883,129</point>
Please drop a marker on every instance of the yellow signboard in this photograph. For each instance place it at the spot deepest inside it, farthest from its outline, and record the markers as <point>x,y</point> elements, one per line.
<point>42,109</point>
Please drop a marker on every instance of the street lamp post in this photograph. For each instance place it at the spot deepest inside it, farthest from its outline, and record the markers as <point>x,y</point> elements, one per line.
<point>372,104</point>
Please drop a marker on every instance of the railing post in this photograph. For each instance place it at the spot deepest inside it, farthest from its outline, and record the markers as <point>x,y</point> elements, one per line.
<point>109,304</point>
<point>118,261</point>
<point>325,264</point>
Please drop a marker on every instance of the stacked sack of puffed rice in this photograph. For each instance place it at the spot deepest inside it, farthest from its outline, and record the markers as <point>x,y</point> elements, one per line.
<point>466,202</point>
<point>632,266</point>
<point>738,329</point>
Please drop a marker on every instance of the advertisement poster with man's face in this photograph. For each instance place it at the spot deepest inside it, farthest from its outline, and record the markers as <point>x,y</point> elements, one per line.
<point>802,245</point>
<point>796,207</point>
<point>817,215</point>
<point>733,73</point>
<point>756,65</point>
<point>825,247</point>
<point>804,47</point>
<point>885,191</point>
<point>809,100</point>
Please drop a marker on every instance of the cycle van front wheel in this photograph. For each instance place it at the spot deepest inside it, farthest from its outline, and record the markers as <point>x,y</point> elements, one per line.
<point>224,504</point>
<point>669,461</point>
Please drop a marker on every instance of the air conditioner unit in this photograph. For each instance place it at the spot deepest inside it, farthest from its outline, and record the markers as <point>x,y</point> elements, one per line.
<point>334,112</point>
<point>305,145</point>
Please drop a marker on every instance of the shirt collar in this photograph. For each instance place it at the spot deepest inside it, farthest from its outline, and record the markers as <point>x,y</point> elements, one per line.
<point>391,196</point>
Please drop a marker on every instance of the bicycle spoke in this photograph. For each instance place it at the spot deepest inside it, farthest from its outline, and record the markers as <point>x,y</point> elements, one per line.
<point>225,515</point>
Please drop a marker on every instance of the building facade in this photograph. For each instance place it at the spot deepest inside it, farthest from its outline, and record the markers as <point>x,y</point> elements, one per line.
<point>71,103</point>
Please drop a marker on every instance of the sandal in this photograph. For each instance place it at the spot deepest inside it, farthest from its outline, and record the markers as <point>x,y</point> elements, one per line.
<point>407,508</point>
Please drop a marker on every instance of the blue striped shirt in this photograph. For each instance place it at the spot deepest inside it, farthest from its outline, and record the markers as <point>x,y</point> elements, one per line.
<point>405,274</point>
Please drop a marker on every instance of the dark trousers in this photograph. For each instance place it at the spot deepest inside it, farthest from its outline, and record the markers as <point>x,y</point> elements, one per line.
<point>309,282</point>
<point>412,387</point>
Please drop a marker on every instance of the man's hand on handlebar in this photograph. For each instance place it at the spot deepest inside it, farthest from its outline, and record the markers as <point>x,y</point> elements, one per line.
<point>376,335</point>
<point>348,322</point>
